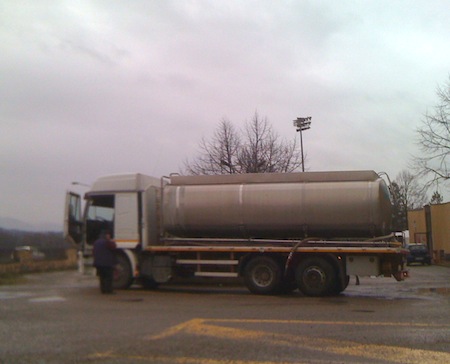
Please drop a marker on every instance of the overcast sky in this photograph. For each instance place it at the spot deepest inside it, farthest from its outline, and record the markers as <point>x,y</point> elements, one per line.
<point>90,88</point>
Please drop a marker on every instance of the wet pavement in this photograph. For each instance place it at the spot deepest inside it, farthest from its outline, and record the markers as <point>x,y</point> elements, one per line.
<point>61,317</point>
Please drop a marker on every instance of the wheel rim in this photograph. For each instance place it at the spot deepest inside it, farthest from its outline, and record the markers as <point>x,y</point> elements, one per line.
<point>122,277</point>
<point>314,277</point>
<point>263,276</point>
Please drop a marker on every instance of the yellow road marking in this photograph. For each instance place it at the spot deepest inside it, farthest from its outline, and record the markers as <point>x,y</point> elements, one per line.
<point>186,360</point>
<point>212,328</point>
<point>176,329</point>
<point>202,327</point>
<point>336,323</point>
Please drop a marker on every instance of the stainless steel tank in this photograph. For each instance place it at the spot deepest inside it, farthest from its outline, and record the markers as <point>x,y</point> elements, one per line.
<point>292,205</point>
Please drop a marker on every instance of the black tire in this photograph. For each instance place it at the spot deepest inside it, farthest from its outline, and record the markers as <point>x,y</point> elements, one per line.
<point>315,277</point>
<point>340,286</point>
<point>263,275</point>
<point>123,277</point>
<point>149,283</point>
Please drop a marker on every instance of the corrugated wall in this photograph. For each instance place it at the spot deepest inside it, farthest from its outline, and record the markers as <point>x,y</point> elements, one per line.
<point>440,229</point>
<point>417,226</point>
<point>440,225</point>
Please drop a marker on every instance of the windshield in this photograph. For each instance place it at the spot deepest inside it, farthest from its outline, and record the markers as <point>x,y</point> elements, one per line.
<point>418,248</point>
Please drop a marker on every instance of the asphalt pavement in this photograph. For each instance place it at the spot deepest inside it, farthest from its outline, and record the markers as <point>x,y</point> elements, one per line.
<point>61,317</point>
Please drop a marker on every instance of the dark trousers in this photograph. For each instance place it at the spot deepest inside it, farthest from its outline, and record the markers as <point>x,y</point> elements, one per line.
<point>106,275</point>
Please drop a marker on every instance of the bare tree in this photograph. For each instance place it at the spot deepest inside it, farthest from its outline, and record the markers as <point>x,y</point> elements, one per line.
<point>255,149</point>
<point>413,194</point>
<point>407,195</point>
<point>434,140</point>
<point>399,216</point>
<point>218,155</point>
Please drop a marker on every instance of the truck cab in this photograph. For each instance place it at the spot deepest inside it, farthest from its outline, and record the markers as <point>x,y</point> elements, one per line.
<point>121,204</point>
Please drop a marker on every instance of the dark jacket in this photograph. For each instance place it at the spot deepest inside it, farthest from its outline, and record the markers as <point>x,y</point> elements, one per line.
<point>104,253</point>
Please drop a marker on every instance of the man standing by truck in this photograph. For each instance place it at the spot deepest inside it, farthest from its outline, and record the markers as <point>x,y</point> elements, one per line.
<point>105,261</point>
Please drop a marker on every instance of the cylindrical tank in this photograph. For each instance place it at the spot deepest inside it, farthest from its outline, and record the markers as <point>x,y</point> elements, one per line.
<point>289,205</point>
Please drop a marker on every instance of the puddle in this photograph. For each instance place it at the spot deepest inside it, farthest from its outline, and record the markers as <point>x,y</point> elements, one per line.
<point>439,290</point>
<point>13,295</point>
<point>48,299</point>
<point>132,300</point>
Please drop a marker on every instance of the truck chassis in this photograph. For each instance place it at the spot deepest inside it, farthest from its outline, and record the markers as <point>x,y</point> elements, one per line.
<point>317,268</point>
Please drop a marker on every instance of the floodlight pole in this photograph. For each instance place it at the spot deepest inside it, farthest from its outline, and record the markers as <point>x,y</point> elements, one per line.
<point>302,124</point>
<point>76,183</point>
<point>301,147</point>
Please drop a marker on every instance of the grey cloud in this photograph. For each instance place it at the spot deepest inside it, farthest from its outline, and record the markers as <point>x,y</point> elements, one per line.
<point>89,89</point>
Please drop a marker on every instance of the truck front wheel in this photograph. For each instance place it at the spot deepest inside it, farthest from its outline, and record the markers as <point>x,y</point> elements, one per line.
<point>262,275</point>
<point>315,277</point>
<point>123,277</point>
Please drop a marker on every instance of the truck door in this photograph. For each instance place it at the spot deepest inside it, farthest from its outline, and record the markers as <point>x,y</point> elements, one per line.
<point>126,220</point>
<point>73,221</point>
<point>150,226</point>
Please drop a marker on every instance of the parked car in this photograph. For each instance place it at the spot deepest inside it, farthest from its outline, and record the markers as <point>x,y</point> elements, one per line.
<point>418,253</point>
<point>35,253</point>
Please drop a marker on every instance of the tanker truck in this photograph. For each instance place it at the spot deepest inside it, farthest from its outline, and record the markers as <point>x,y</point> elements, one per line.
<point>277,232</point>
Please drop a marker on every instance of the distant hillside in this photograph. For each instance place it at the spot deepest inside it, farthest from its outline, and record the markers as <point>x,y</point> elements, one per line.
<point>51,244</point>
<point>9,223</point>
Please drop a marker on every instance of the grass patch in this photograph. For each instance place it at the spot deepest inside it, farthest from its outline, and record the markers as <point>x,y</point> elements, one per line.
<point>11,278</point>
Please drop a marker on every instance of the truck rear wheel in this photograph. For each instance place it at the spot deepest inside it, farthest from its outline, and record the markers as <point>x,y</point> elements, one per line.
<point>315,277</point>
<point>123,277</point>
<point>262,275</point>
<point>149,283</point>
<point>340,286</point>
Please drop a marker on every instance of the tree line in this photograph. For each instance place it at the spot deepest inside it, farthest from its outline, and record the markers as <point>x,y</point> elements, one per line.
<point>51,244</point>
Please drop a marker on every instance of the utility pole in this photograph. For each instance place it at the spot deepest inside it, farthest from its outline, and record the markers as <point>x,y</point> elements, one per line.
<point>302,124</point>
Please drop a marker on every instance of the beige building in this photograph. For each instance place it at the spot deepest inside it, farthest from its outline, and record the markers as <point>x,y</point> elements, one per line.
<point>431,226</point>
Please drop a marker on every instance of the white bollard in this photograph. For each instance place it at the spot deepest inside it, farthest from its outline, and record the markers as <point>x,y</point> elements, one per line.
<point>80,262</point>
